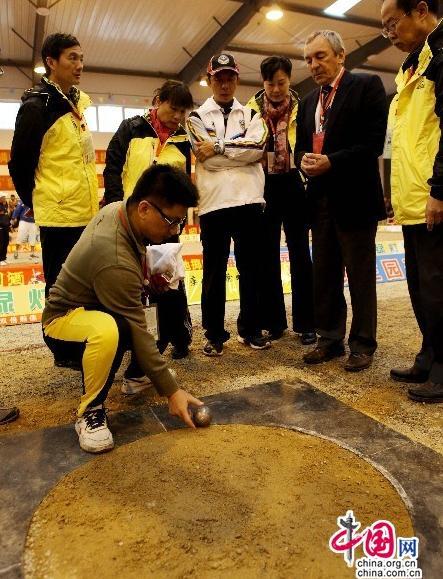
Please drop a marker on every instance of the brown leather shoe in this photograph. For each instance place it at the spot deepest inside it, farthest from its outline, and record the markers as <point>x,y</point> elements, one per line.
<point>8,414</point>
<point>323,354</point>
<point>358,361</point>
<point>428,392</point>
<point>412,375</point>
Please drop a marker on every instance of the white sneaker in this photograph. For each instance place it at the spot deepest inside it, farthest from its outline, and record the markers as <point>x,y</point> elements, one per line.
<point>136,385</point>
<point>93,432</point>
<point>3,262</point>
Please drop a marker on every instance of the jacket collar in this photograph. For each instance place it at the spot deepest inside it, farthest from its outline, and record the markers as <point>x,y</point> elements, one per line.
<point>210,106</point>
<point>433,42</point>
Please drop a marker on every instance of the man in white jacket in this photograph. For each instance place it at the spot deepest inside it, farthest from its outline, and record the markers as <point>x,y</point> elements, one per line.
<point>228,140</point>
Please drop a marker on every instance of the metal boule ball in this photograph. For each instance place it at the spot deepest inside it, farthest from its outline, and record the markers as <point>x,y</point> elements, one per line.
<point>202,416</point>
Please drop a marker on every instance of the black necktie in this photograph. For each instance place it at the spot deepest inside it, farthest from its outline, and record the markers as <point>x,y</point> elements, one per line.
<point>325,92</point>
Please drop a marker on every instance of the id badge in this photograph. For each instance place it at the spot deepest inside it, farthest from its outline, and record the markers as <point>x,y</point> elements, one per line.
<point>317,142</point>
<point>271,159</point>
<point>387,151</point>
<point>87,148</point>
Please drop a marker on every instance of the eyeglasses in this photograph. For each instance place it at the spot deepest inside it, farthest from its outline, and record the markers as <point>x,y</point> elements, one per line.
<point>171,222</point>
<point>390,28</point>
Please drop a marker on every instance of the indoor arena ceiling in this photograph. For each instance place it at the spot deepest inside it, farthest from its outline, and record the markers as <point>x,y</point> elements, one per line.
<point>158,38</point>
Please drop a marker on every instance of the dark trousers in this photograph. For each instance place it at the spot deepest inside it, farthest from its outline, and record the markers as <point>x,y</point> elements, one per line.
<point>242,224</point>
<point>424,274</point>
<point>4,242</point>
<point>335,248</point>
<point>56,243</point>
<point>74,351</point>
<point>286,204</point>
<point>174,319</point>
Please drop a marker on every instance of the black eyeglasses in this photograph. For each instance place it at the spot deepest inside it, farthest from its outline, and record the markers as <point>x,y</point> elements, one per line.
<point>171,222</point>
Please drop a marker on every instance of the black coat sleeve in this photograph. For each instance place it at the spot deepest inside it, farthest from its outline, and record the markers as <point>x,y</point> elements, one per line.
<point>372,128</point>
<point>30,128</point>
<point>436,181</point>
<point>115,160</point>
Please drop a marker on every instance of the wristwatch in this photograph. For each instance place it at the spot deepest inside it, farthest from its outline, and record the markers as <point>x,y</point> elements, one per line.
<point>218,149</point>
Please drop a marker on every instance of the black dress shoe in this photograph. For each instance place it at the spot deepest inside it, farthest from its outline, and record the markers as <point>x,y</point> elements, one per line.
<point>274,334</point>
<point>358,361</point>
<point>179,352</point>
<point>308,338</point>
<point>323,354</point>
<point>428,392</point>
<point>412,375</point>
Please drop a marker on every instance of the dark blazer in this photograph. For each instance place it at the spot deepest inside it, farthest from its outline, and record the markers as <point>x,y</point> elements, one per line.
<point>354,139</point>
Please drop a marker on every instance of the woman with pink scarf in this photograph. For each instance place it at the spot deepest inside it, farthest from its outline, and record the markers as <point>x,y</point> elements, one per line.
<point>286,205</point>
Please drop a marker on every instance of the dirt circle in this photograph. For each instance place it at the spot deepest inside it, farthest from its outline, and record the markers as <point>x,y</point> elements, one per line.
<point>228,501</point>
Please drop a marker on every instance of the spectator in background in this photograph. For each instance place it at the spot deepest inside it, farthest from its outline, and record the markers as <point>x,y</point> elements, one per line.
<point>415,124</point>
<point>51,139</point>
<point>4,229</point>
<point>23,217</point>
<point>141,141</point>
<point>12,204</point>
<point>341,131</point>
<point>286,204</point>
<point>228,140</point>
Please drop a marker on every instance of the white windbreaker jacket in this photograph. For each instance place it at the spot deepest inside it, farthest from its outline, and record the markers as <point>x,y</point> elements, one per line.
<point>236,176</point>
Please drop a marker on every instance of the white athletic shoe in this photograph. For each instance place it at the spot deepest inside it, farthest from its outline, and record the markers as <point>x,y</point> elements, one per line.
<point>135,385</point>
<point>93,432</point>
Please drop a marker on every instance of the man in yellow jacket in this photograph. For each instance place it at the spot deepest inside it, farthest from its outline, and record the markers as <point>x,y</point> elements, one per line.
<point>52,156</point>
<point>416,147</point>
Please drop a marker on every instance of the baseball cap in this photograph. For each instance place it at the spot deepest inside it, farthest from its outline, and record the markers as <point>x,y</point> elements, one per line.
<point>222,61</point>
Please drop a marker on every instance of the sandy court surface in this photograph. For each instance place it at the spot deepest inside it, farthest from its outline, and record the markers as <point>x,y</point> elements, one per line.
<point>228,501</point>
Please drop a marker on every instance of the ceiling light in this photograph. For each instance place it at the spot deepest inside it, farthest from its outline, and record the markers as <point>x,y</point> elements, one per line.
<point>42,11</point>
<point>203,82</point>
<point>340,7</point>
<point>274,13</point>
<point>39,68</point>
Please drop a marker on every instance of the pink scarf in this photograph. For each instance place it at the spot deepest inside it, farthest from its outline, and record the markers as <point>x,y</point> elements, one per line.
<point>277,119</point>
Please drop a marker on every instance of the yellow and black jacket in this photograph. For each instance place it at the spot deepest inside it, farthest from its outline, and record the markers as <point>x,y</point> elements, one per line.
<point>415,123</point>
<point>256,103</point>
<point>52,157</point>
<point>134,148</point>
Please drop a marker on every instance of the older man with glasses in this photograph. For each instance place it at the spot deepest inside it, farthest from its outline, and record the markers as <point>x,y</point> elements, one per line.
<point>414,129</point>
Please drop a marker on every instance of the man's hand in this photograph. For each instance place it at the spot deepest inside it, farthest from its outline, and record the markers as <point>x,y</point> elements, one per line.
<point>205,150</point>
<point>158,284</point>
<point>388,207</point>
<point>314,165</point>
<point>178,405</point>
<point>434,212</point>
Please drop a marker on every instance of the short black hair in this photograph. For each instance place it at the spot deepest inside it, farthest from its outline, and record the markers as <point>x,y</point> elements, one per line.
<point>272,64</point>
<point>408,5</point>
<point>176,93</point>
<point>55,44</point>
<point>167,184</point>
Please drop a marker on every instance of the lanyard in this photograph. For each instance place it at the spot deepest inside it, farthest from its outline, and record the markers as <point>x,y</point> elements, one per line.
<point>325,104</point>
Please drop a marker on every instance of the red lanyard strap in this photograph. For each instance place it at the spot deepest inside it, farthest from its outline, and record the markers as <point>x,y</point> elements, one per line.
<point>325,104</point>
